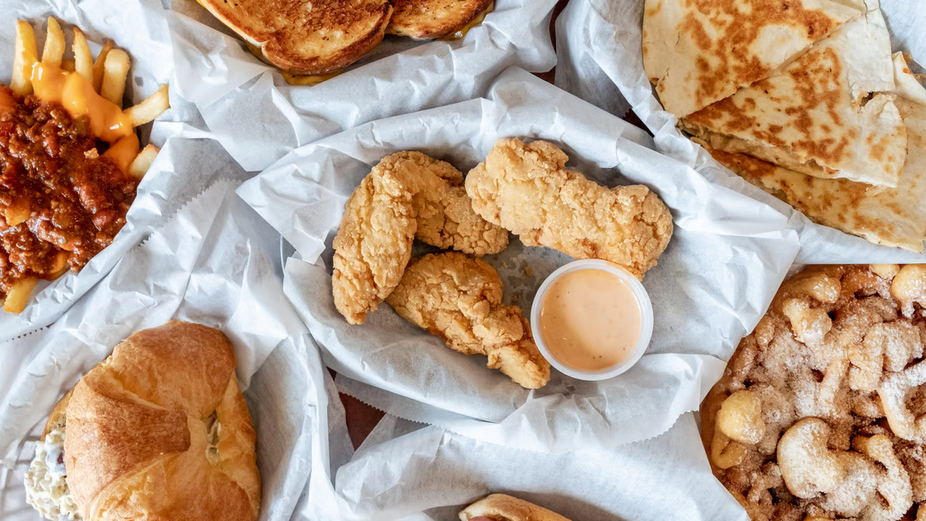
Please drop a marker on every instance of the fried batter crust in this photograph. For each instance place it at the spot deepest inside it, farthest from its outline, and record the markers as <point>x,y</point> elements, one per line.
<point>459,299</point>
<point>527,189</point>
<point>407,195</point>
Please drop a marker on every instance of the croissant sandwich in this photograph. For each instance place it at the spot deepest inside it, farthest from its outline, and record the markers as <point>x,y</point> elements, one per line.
<point>157,431</point>
<point>499,507</point>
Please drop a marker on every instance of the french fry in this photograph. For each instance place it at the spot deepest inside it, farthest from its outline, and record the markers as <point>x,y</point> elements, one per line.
<point>54,44</point>
<point>123,151</point>
<point>83,60</point>
<point>108,74</point>
<point>98,65</point>
<point>17,213</point>
<point>26,54</point>
<point>59,267</point>
<point>142,162</point>
<point>148,110</point>
<point>19,294</point>
<point>115,70</point>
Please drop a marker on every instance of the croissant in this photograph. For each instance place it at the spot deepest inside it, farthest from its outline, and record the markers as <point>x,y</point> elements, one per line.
<point>160,431</point>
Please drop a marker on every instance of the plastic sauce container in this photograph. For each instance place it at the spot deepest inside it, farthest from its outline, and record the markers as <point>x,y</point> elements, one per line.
<point>592,320</point>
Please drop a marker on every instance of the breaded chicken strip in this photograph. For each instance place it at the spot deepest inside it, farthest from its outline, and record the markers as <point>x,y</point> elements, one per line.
<point>527,189</point>
<point>443,211</point>
<point>405,194</point>
<point>459,299</point>
<point>373,244</point>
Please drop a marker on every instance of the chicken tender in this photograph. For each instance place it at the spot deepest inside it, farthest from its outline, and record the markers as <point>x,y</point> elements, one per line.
<point>459,299</point>
<point>527,189</point>
<point>373,244</point>
<point>443,211</point>
<point>407,194</point>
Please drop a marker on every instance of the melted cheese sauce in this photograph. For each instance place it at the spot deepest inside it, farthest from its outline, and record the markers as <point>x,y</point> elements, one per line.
<point>75,93</point>
<point>590,320</point>
<point>460,34</point>
<point>310,79</point>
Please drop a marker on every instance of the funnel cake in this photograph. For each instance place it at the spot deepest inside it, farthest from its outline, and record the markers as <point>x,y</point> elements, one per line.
<point>821,412</point>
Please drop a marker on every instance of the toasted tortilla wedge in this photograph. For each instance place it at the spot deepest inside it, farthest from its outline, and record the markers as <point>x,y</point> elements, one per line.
<point>891,216</point>
<point>906,84</point>
<point>698,52</point>
<point>819,116</point>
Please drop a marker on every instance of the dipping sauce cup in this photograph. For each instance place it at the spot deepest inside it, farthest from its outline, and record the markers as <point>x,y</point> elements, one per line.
<point>592,320</point>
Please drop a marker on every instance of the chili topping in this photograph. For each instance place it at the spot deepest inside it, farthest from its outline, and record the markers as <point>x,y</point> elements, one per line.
<point>61,200</point>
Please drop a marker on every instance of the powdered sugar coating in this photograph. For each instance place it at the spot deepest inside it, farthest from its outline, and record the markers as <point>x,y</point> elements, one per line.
<point>836,367</point>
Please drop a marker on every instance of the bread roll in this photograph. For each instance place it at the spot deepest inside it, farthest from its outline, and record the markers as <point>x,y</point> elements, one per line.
<point>499,507</point>
<point>138,442</point>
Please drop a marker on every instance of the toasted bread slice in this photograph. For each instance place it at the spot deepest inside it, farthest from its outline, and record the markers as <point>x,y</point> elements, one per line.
<point>306,36</point>
<point>425,19</point>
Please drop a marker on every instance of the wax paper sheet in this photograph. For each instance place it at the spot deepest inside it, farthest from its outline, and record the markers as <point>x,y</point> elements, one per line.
<point>406,469</point>
<point>213,263</point>
<point>726,259</point>
<point>412,472</point>
<point>599,45</point>
<point>259,117</point>
<point>139,27</point>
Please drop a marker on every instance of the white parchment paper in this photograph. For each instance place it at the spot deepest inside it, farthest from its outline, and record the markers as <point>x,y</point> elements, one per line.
<point>139,27</point>
<point>725,261</point>
<point>435,473</point>
<point>248,106</point>
<point>215,263</point>
<point>411,472</point>
<point>599,45</point>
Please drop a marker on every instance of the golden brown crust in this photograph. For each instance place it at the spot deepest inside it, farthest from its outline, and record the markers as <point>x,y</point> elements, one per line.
<point>443,211</point>
<point>459,299</point>
<point>425,19</point>
<point>58,415</point>
<point>527,189</point>
<point>697,52</point>
<point>373,244</point>
<point>102,443</point>
<point>307,36</point>
<point>823,115</point>
<point>501,507</point>
<point>137,439</point>
<point>406,195</point>
<point>889,216</point>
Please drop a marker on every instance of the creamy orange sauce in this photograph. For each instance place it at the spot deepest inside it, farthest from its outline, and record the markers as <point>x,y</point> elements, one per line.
<point>590,320</point>
<point>75,93</point>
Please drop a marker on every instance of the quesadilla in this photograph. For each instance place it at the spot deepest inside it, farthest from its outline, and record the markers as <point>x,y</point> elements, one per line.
<point>892,216</point>
<point>905,83</point>
<point>697,52</point>
<point>825,115</point>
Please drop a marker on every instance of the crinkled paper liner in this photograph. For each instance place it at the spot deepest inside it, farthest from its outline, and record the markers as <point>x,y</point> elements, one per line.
<point>258,117</point>
<point>726,259</point>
